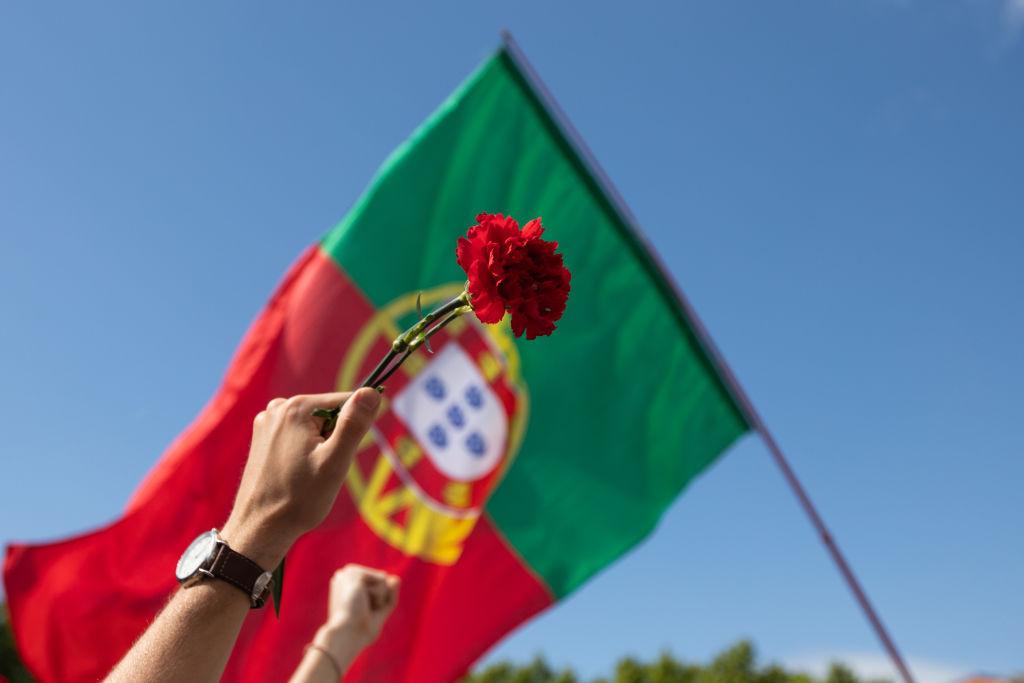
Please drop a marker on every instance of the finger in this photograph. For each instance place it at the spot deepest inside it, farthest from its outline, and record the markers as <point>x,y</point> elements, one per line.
<point>301,408</point>
<point>384,598</point>
<point>376,590</point>
<point>274,402</point>
<point>332,399</point>
<point>379,596</point>
<point>382,585</point>
<point>354,421</point>
<point>393,583</point>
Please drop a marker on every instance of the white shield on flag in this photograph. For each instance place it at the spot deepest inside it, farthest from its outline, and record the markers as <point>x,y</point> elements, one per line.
<point>455,416</point>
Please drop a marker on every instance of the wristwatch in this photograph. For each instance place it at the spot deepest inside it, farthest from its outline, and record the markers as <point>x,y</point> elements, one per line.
<point>210,556</point>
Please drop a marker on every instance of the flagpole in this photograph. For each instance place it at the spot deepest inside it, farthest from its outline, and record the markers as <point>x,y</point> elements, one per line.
<point>740,396</point>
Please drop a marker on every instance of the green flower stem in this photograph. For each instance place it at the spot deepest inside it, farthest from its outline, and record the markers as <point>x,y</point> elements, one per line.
<point>412,338</point>
<point>421,339</point>
<point>401,348</point>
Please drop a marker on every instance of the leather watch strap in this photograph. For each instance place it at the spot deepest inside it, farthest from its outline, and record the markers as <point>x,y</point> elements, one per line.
<point>240,571</point>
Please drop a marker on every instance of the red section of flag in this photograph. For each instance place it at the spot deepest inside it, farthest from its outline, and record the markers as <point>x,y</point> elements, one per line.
<point>77,605</point>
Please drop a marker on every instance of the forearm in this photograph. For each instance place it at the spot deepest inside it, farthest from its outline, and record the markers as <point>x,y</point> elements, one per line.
<point>191,639</point>
<point>290,482</point>
<point>333,653</point>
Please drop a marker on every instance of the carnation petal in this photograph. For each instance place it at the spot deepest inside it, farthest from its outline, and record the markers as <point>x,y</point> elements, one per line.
<point>488,310</point>
<point>533,230</point>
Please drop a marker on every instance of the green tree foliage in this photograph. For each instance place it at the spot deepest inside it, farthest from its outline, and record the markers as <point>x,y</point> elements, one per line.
<point>536,671</point>
<point>738,664</point>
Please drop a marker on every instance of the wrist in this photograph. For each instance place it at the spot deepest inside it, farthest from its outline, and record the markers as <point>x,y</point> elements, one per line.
<point>339,639</point>
<point>258,543</point>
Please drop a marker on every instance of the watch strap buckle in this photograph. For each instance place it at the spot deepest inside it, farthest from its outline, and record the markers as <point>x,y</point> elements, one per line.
<point>241,572</point>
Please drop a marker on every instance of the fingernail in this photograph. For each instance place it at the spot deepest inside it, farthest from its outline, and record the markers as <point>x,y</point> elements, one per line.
<point>368,400</point>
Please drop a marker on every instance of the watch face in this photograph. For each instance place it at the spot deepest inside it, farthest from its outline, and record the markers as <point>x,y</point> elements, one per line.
<point>196,554</point>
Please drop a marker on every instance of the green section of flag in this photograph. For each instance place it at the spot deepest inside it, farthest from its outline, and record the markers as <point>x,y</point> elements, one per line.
<point>625,407</point>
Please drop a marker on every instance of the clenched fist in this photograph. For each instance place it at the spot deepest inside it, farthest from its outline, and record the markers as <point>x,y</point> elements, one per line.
<point>361,599</point>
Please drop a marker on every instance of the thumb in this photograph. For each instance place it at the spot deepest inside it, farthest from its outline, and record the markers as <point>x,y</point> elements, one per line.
<point>355,419</point>
<point>393,583</point>
<point>387,600</point>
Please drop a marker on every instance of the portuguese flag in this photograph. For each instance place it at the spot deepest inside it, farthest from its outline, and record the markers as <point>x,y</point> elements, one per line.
<point>502,474</point>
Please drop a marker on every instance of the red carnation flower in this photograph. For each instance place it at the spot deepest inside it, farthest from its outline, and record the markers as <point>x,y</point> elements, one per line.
<point>516,271</point>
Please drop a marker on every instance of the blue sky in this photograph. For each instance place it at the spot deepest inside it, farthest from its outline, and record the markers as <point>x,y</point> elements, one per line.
<point>836,185</point>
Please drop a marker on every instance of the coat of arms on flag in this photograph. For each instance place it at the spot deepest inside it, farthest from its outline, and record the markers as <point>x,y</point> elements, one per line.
<point>447,433</point>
